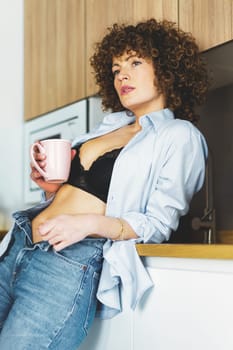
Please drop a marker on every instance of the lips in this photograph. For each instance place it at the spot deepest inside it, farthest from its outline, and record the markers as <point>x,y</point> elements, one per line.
<point>126,89</point>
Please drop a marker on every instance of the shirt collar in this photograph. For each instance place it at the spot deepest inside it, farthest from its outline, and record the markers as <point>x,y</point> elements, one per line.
<point>116,120</point>
<point>125,117</point>
<point>157,118</point>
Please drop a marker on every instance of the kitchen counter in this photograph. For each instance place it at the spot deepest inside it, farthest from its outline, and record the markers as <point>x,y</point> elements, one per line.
<point>191,302</point>
<point>198,251</point>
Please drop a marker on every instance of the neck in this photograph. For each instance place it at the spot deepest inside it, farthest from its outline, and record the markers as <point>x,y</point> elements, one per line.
<point>139,115</point>
<point>141,110</point>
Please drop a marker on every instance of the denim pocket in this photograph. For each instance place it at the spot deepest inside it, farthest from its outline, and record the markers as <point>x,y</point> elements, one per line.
<point>83,253</point>
<point>67,257</point>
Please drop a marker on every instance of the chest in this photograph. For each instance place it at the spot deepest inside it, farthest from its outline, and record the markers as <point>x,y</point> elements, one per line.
<point>92,150</point>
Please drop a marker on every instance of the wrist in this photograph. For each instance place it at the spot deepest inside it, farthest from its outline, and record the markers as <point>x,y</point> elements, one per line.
<point>113,228</point>
<point>121,233</point>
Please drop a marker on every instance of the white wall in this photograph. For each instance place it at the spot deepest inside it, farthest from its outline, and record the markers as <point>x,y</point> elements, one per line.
<point>11,108</point>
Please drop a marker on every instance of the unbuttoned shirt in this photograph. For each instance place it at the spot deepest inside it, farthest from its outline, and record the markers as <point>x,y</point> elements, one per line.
<point>153,181</point>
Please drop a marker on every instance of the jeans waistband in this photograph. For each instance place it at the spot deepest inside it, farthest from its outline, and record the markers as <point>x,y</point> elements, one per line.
<point>29,213</point>
<point>24,217</point>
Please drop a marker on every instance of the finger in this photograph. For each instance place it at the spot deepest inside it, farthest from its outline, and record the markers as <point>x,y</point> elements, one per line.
<point>39,156</point>
<point>54,241</point>
<point>35,174</point>
<point>46,228</point>
<point>51,236</point>
<point>61,245</point>
<point>73,152</point>
<point>41,163</point>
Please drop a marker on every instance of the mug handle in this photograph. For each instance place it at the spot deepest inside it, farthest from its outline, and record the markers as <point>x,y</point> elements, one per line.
<point>34,162</point>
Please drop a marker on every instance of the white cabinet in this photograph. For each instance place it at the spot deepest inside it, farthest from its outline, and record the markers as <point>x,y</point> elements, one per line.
<point>190,307</point>
<point>113,334</point>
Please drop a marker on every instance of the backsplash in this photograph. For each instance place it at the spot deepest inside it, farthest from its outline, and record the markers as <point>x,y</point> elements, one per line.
<point>217,126</point>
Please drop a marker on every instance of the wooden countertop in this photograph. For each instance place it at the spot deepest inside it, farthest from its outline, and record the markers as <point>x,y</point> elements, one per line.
<point>198,251</point>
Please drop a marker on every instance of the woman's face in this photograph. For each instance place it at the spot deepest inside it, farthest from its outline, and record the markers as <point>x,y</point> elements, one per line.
<point>134,81</point>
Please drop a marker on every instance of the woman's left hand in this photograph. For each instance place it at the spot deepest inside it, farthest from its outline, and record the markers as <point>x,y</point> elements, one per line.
<point>64,230</point>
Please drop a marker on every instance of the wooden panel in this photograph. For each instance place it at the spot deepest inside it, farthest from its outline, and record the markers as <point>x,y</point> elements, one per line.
<point>54,72</point>
<point>194,251</point>
<point>159,9</point>
<point>100,14</point>
<point>210,21</point>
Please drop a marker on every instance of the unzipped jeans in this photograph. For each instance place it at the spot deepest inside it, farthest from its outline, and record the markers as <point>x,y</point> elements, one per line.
<point>47,298</point>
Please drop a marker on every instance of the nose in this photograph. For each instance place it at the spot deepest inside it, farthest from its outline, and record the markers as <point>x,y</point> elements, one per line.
<point>123,75</point>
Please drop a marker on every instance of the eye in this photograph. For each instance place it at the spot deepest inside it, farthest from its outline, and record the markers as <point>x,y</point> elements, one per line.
<point>115,72</point>
<point>136,63</point>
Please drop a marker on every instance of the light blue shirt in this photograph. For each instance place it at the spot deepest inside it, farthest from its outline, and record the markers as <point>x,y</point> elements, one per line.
<point>156,173</point>
<point>153,180</point>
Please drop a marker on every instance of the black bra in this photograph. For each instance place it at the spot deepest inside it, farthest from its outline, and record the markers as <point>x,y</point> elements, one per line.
<point>96,179</point>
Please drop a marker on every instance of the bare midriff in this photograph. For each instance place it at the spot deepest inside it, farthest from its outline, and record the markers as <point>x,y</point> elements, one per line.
<point>68,200</point>
<point>72,200</point>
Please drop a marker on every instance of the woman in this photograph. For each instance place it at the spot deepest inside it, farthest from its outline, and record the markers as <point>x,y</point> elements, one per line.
<point>131,179</point>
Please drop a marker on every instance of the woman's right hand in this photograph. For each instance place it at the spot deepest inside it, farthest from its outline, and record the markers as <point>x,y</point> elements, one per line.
<point>49,188</point>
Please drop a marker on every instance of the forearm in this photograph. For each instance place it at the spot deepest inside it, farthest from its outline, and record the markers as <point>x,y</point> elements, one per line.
<point>110,227</point>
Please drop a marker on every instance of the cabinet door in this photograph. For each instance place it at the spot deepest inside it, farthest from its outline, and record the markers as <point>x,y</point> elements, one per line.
<point>209,21</point>
<point>158,9</point>
<point>190,306</point>
<point>54,55</point>
<point>100,14</point>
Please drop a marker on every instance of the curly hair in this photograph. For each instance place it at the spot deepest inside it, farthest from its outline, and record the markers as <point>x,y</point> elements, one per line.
<point>180,70</point>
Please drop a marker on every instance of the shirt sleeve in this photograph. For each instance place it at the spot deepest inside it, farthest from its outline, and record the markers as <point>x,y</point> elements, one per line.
<point>181,176</point>
<point>42,197</point>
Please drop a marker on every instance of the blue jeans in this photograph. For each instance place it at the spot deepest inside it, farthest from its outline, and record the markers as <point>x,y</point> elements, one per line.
<point>47,298</point>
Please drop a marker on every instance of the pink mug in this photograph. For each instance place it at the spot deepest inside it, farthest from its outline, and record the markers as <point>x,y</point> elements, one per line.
<point>58,159</point>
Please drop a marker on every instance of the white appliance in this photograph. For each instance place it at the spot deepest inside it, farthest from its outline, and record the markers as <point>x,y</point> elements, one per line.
<point>67,122</point>
<point>95,112</point>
